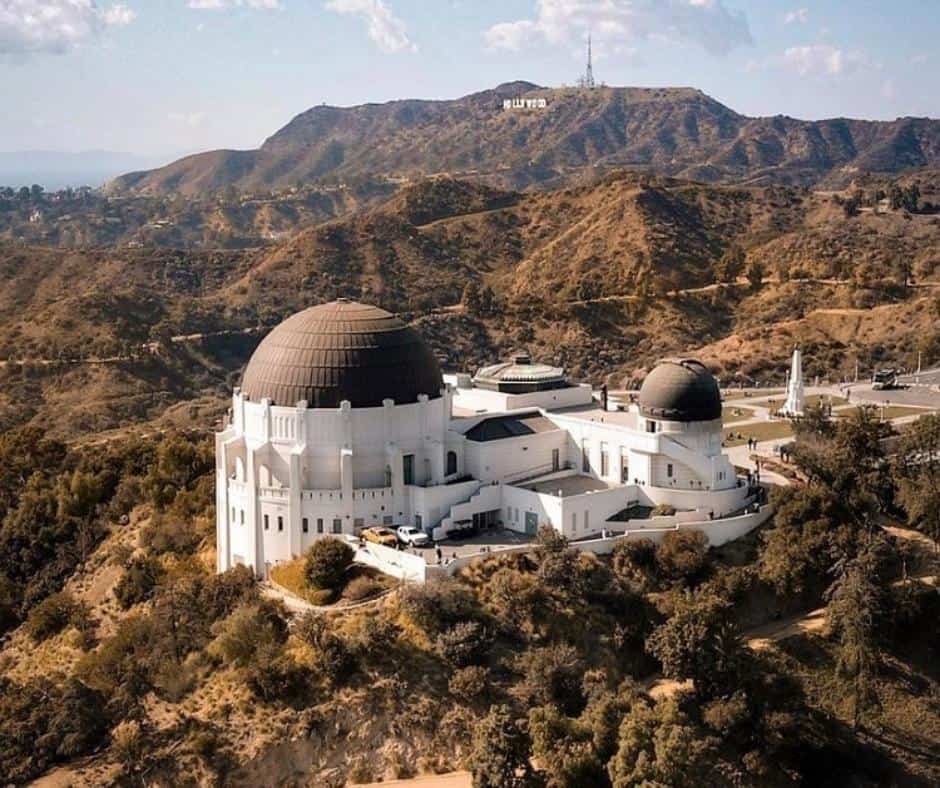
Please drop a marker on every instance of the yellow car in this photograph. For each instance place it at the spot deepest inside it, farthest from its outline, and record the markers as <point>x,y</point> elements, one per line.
<point>381,535</point>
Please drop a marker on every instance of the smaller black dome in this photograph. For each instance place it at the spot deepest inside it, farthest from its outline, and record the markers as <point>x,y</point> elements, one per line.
<point>680,390</point>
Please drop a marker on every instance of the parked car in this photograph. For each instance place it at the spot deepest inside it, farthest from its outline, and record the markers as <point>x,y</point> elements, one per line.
<point>408,534</point>
<point>381,535</point>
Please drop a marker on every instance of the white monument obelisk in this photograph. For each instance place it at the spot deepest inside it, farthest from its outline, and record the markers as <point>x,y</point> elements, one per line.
<point>794,404</point>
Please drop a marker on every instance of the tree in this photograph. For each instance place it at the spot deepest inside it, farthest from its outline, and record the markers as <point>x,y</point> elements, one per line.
<point>682,555</point>
<point>552,675</point>
<point>856,604</point>
<point>699,641</point>
<point>139,581</point>
<point>565,750</point>
<point>852,204</point>
<point>731,264</point>
<point>465,643</point>
<point>471,298</point>
<point>242,637</point>
<point>917,470</point>
<point>500,751</point>
<point>326,563</point>
<point>659,746</point>
<point>755,274</point>
<point>795,556</point>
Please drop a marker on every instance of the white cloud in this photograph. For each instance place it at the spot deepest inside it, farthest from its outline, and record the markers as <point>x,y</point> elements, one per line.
<point>190,119</point>
<point>55,26</point>
<point>119,14</point>
<point>385,29</point>
<point>220,5</point>
<point>821,59</point>
<point>800,16</point>
<point>615,23</point>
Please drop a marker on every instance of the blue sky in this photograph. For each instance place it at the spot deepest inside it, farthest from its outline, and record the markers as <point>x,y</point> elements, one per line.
<point>167,76</point>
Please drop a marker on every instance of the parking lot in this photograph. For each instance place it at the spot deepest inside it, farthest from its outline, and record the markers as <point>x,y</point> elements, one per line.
<point>493,538</point>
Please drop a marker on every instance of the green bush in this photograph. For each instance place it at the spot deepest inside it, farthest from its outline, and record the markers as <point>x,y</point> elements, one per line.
<point>465,643</point>
<point>53,614</point>
<point>663,510</point>
<point>326,562</point>
<point>362,587</point>
<point>552,675</point>
<point>500,751</point>
<point>635,561</point>
<point>251,629</point>
<point>682,555</point>
<point>167,533</point>
<point>437,604</point>
<point>470,685</point>
<point>139,582</point>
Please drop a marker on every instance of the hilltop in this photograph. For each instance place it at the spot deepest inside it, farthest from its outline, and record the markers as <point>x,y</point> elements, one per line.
<point>604,278</point>
<point>672,131</point>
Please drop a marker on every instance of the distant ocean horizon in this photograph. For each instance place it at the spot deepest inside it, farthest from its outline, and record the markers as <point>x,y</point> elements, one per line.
<point>55,170</point>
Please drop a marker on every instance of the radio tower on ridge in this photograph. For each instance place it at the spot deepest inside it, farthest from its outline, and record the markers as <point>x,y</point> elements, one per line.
<point>587,81</point>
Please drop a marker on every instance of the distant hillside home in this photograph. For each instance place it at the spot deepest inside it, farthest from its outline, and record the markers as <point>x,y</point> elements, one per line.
<point>343,420</point>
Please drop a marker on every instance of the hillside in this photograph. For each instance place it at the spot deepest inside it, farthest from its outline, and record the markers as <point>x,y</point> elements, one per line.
<point>671,131</point>
<point>604,278</point>
<point>75,218</point>
<point>127,660</point>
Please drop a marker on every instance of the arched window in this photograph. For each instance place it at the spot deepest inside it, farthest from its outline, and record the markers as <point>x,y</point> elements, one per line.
<point>451,463</point>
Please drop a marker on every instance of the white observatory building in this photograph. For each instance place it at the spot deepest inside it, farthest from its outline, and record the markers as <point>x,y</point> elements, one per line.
<point>343,420</point>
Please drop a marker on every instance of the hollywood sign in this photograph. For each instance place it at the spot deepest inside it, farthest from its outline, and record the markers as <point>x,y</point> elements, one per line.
<point>525,103</point>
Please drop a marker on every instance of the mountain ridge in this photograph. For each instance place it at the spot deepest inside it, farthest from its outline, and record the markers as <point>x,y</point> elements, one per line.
<point>681,132</point>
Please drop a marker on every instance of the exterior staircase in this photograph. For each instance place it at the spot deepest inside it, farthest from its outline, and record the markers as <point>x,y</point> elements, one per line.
<point>486,499</point>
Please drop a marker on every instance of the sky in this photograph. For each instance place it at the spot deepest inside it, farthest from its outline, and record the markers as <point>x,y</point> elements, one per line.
<point>164,77</point>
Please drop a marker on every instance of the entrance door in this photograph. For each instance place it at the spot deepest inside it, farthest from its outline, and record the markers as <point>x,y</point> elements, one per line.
<point>531,523</point>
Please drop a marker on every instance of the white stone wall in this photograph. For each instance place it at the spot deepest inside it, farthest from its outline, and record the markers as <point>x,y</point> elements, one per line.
<point>478,400</point>
<point>513,457</point>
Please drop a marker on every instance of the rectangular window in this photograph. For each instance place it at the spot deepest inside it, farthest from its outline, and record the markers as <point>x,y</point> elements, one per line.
<point>280,523</point>
<point>556,459</point>
<point>305,525</point>
<point>650,426</point>
<point>359,523</point>
<point>265,522</point>
<point>586,521</point>
<point>319,525</point>
<point>574,522</point>
<point>585,457</point>
<point>386,519</point>
<point>624,466</point>
<point>669,470</point>
<point>241,516</point>
<point>337,525</point>
<point>408,468</point>
<point>605,461</point>
<point>233,514</point>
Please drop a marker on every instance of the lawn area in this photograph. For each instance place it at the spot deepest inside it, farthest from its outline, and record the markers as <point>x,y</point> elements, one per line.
<point>812,401</point>
<point>733,413</point>
<point>764,431</point>
<point>890,412</point>
<point>816,399</point>
<point>361,583</point>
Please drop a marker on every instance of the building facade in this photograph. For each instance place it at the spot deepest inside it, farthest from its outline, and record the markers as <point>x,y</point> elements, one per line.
<point>343,421</point>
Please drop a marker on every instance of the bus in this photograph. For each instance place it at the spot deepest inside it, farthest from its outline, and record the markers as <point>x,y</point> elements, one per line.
<point>884,379</point>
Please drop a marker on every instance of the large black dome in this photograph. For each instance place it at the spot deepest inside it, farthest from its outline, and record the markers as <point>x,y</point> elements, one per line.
<point>342,351</point>
<point>680,390</point>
